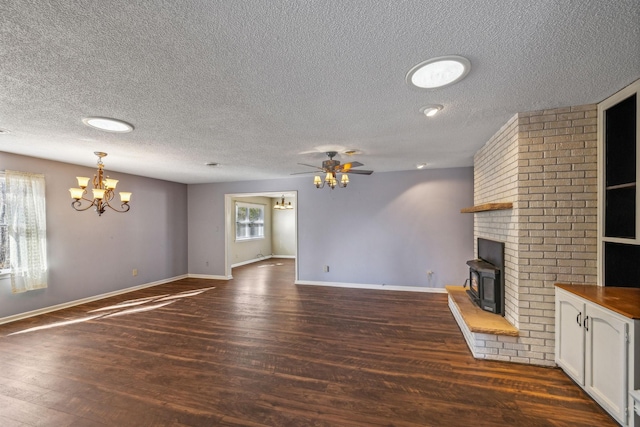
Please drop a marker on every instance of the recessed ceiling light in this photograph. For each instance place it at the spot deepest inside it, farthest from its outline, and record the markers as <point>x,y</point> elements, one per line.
<point>431,110</point>
<point>438,72</point>
<point>421,165</point>
<point>212,164</point>
<point>4,132</point>
<point>108,124</point>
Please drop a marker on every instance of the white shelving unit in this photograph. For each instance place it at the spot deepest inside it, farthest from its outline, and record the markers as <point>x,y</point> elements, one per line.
<point>618,189</point>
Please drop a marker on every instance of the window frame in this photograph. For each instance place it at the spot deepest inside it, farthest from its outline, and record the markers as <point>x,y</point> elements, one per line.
<point>244,236</point>
<point>4,238</point>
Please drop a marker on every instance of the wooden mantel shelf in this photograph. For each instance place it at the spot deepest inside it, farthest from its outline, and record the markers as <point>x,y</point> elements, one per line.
<point>488,207</point>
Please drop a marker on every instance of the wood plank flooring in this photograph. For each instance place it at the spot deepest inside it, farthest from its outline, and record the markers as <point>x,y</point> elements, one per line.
<point>260,351</point>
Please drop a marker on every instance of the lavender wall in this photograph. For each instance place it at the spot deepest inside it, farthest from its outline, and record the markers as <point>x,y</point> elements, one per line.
<point>90,255</point>
<point>385,228</point>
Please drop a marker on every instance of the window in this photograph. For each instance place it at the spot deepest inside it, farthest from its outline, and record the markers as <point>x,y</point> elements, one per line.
<point>249,221</point>
<point>4,232</point>
<point>24,249</point>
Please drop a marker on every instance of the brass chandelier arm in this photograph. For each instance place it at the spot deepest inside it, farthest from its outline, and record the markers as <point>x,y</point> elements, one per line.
<point>125,207</point>
<point>77,204</point>
<point>108,196</point>
<point>100,206</point>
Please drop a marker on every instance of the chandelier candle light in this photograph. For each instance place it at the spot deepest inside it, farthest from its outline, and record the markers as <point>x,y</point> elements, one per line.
<point>282,205</point>
<point>103,191</point>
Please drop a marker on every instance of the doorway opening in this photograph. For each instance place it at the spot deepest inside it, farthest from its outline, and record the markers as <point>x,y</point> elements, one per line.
<point>269,233</point>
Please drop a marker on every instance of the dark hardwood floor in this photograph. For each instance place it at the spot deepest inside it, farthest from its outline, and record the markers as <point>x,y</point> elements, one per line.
<point>260,351</point>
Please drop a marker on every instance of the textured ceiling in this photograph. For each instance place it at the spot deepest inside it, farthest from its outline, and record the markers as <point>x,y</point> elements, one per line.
<point>259,86</point>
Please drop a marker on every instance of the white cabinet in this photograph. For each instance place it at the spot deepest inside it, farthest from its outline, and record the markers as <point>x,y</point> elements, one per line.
<point>593,346</point>
<point>606,360</point>
<point>570,336</point>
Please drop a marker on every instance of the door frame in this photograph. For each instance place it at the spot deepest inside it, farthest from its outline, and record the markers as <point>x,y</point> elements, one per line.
<point>229,218</point>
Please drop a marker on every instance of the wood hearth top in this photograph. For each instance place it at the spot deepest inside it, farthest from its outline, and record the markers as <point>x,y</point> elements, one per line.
<point>478,320</point>
<point>487,207</point>
<point>625,301</point>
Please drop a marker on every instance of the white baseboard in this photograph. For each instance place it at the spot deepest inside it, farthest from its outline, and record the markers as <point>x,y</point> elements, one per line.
<point>373,286</point>
<point>209,276</point>
<point>57,307</point>
<point>284,256</point>
<point>250,261</point>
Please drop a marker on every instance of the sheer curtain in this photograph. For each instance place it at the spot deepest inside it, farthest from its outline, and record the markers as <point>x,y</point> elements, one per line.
<point>27,229</point>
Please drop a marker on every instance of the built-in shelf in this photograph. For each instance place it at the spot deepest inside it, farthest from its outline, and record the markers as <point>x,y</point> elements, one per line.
<point>619,186</point>
<point>488,207</point>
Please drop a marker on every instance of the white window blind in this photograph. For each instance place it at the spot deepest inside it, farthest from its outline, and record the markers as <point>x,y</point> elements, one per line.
<point>249,221</point>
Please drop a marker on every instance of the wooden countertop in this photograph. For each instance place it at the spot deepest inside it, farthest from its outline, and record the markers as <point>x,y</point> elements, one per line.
<point>625,301</point>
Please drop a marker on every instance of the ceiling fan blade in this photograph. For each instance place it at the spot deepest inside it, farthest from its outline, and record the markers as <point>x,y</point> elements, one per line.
<point>333,166</point>
<point>311,166</point>
<point>360,172</point>
<point>351,165</point>
<point>300,173</point>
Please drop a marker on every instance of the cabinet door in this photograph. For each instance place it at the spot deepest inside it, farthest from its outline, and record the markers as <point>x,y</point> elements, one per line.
<point>570,337</point>
<point>606,360</point>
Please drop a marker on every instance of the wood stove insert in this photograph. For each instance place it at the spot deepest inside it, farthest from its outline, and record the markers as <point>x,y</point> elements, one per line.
<point>486,276</point>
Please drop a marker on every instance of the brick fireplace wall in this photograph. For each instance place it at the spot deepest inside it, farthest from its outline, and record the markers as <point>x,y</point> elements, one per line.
<point>545,163</point>
<point>496,180</point>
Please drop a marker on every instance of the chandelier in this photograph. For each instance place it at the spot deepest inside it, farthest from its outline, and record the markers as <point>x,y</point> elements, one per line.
<point>282,205</point>
<point>102,191</point>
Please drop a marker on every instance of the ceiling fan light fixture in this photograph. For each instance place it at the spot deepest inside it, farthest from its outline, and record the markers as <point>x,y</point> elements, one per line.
<point>332,169</point>
<point>431,110</point>
<point>438,72</point>
<point>108,124</point>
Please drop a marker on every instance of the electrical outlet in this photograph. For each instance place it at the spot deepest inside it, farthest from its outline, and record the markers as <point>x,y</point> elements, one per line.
<point>135,271</point>
<point>326,268</point>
